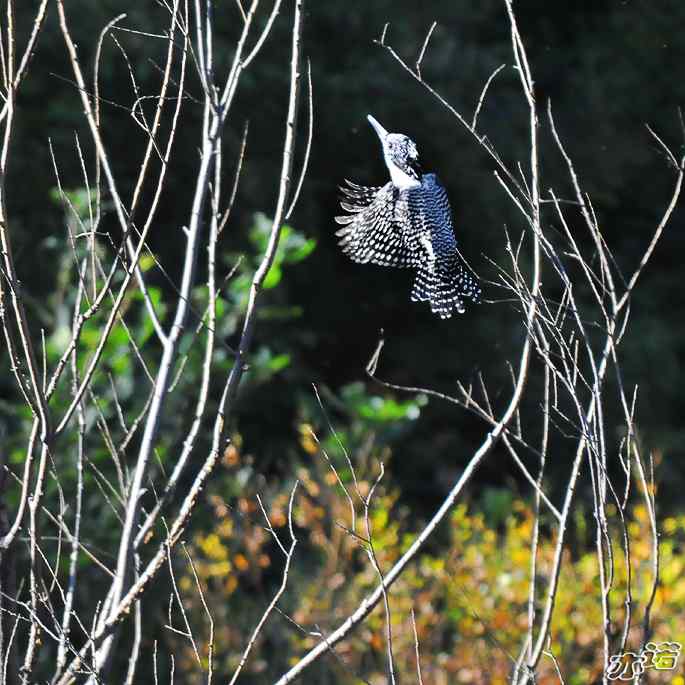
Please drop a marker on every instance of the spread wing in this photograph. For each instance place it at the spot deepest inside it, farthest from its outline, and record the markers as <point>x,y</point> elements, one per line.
<point>372,228</point>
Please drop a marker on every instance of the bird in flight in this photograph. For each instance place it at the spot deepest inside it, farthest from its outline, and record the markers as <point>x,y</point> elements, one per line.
<point>407,223</point>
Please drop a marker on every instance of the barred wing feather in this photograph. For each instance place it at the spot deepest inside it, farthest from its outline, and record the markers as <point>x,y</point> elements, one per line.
<point>370,230</point>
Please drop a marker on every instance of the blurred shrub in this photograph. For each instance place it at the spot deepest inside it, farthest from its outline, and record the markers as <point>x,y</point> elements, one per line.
<point>470,597</point>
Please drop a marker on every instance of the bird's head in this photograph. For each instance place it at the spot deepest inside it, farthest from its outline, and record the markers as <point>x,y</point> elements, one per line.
<point>401,156</point>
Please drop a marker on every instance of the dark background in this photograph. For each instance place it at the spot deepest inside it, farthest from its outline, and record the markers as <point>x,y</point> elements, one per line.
<point>608,68</point>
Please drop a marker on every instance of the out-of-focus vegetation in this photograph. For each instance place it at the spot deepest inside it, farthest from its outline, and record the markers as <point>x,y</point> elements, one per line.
<point>608,67</point>
<point>470,603</point>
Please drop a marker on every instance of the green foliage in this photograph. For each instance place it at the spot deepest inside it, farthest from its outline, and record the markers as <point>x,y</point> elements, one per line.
<point>497,505</point>
<point>377,409</point>
<point>293,248</point>
<point>79,200</point>
<point>265,364</point>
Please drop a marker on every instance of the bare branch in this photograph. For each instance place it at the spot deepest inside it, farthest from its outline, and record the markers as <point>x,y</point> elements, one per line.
<point>424,46</point>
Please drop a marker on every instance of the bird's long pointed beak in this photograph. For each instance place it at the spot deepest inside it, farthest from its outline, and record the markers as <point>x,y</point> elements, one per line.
<point>382,133</point>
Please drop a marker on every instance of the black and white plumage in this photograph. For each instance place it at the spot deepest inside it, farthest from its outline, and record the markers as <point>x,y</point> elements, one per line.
<point>407,223</point>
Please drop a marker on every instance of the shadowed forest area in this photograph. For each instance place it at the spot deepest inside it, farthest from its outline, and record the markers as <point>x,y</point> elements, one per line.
<point>308,418</point>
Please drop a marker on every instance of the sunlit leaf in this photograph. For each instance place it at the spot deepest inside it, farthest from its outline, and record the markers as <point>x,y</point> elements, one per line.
<point>273,278</point>
<point>279,362</point>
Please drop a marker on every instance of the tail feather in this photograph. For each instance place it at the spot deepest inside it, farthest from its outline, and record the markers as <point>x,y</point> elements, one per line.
<point>445,285</point>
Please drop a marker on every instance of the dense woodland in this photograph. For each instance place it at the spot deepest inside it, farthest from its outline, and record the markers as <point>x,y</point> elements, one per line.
<point>609,68</point>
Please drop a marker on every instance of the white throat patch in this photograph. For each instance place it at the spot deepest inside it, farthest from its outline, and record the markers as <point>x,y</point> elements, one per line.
<point>401,180</point>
